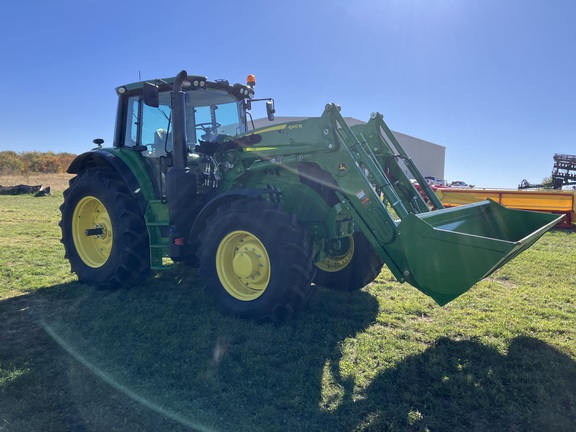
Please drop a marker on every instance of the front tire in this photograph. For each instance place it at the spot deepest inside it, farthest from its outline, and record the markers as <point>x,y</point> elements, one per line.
<point>103,231</point>
<point>255,260</point>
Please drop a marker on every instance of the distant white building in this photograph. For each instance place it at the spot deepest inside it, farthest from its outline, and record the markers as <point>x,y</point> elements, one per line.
<point>428,157</point>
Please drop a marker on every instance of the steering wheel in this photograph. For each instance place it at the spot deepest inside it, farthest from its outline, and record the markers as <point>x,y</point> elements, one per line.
<point>207,127</point>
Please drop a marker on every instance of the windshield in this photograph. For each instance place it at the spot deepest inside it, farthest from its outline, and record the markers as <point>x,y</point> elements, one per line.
<point>210,113</point>
<point>206,122</point>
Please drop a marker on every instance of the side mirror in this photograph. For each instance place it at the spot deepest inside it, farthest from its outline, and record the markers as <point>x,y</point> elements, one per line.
<point>270,110</point>
<point>151,96</point>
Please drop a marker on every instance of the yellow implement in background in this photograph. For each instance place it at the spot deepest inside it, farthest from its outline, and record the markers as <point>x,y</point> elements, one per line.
<point>550,201</point>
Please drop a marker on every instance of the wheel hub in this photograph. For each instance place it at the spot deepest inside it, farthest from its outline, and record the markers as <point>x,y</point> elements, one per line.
<point>246,264</point>
<point>243,265</point>
<point>339,255</point>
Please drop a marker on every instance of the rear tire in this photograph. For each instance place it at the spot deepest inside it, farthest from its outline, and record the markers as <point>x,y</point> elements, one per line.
<point>351,268</point>
<point>255,260</point>
<point>116,256</point>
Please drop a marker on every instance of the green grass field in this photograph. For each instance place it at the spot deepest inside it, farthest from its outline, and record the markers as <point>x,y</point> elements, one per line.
<point>159,357</point>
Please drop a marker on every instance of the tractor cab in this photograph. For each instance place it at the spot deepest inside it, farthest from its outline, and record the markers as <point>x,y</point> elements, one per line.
<point>146,125</point>
<point>166,125</point>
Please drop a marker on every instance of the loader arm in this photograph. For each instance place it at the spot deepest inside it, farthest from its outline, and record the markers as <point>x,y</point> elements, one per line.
<point>366,188</point>
<point>443,252</point>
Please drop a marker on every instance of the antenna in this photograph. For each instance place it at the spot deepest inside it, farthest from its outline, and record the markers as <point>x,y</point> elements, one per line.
<point>139,77</point>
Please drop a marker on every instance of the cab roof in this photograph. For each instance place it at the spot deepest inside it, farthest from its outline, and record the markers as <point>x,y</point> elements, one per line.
<point>196,82</point>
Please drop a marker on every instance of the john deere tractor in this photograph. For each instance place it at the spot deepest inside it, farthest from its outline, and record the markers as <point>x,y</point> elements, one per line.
<point>269,212</point>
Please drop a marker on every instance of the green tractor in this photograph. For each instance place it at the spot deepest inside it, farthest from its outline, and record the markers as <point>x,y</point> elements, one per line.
<point>269,212</point>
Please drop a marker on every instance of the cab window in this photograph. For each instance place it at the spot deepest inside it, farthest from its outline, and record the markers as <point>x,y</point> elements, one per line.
<point>149,127</point>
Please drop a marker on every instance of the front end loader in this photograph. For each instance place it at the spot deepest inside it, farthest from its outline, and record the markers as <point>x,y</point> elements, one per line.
<point>270,212</point>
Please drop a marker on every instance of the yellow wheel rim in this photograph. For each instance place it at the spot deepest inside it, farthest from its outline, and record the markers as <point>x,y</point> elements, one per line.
<point>90,214</point>
<point>243,265</point>
<point>339,260</point>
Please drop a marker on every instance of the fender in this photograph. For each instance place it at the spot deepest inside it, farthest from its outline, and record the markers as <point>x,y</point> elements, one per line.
<point>104,157</point>
<point>214,203</point>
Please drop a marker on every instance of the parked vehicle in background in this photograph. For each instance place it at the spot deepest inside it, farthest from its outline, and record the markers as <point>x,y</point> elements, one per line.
<point>460,184</point>
<point>433,181</point>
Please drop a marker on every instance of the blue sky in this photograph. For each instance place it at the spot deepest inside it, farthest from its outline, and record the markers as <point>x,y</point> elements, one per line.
<point>494,81</point>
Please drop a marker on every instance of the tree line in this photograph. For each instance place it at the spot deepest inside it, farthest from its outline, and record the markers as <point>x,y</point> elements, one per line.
<point>30,162</point>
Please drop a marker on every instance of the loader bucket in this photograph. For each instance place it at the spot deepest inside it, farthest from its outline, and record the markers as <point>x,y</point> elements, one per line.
<point>448,251</point>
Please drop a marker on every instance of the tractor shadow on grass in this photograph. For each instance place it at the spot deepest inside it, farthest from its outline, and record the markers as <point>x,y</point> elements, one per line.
<point>160,357</point>
<point>468,386</point>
